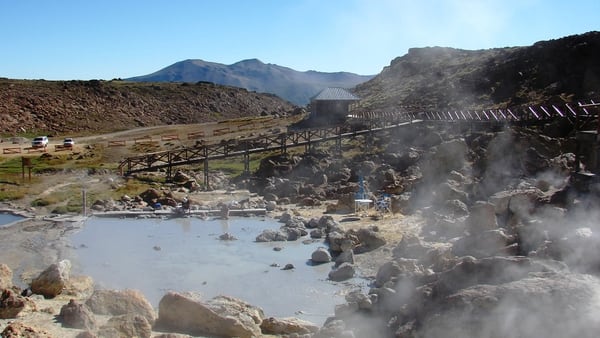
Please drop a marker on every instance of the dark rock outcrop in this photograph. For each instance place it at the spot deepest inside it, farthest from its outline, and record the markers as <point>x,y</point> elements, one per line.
<point>11,304</point>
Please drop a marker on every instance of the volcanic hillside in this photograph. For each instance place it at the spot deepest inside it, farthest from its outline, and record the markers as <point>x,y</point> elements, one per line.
<point>561,70</point>
<point>87,107</point>
<point>566,69</point>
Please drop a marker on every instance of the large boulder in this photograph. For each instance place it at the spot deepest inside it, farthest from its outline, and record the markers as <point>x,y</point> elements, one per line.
<point>117,302</point>
<point>486,244</point>
<point>369,239</point>
<point>320,255</point>
<point>17,329</point>
<point>411,246</point>
<point>390,270</point>
<point>180,177</point>
<point>339,241</point>
<point>482,217</point>
<point>542,305</point>
<point>327,222</point>
<point>287,326</point>
<point>442,227</point>
<point>51,282</point>
<point>6,276</point>
<point>293,233</point>
<point>77,316</point>
<point>127,325</point>
<point>449,190</point>
<point>444,158</point>
<point>401,161</point>
<point>520,202</point>
<point>493,270</point>
<point>579,249</point>
<point>151,196</point>
<point>343,272</point>
<point>11,304</point>
<point>334,328</point>
<point>400,204</point>
<point>270,235</point>
<point>79,287</point>
<point>346,256</point>
<point>220,316</point>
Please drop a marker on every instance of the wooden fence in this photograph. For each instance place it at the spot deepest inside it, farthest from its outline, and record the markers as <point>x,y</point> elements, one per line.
<point>117,143</point>
<point>14,150</point>
<point>173,137</point>
<point>195,135</point>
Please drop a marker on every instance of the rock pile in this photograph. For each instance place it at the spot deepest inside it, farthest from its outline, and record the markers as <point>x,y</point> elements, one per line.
<point>131,315</point>
<point>509,247</point>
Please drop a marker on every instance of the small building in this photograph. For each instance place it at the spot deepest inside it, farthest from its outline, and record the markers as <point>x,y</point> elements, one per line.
<point>331,106</point>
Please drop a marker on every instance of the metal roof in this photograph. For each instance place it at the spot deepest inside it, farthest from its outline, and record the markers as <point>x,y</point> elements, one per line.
<point>335,94</point>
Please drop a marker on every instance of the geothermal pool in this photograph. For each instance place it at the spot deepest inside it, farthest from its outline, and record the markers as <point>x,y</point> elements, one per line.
<point>7,218</point>
<point>185,254</point>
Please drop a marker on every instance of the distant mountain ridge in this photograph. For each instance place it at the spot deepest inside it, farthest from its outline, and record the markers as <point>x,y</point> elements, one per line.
<point>254,75</point>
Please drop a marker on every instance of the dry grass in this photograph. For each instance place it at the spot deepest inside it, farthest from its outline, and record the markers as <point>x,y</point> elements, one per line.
<point>57,177</point>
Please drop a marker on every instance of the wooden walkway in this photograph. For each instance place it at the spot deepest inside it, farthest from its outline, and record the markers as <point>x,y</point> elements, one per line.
<point>364,123</point>
<point>517,115</point>
<point>308,138</point>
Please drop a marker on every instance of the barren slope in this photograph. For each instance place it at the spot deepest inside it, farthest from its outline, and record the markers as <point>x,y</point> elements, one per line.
<point>91,107</point>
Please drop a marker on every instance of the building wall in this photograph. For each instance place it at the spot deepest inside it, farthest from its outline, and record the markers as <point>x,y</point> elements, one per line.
<point>330,109</point>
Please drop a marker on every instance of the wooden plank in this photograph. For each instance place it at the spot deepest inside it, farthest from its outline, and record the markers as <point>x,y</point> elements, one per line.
<point>36,149</point>
<point>60,147</point>
<point>221,131</point>
<point>173,137</point>
<point>242,126</point>
<point>195,135</point>
<point>117,143</point>
<point>145,139</point>
<point>14,150</point>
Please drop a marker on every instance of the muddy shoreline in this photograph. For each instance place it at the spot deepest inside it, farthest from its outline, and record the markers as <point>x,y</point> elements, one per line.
<point>30,245</point>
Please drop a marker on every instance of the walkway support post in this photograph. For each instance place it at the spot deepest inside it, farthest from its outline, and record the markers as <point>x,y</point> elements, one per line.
<point>246,160</point>
<point>338,141</point>
<point>206,181</point>
<point>169,168</point>
<point>283,141</point>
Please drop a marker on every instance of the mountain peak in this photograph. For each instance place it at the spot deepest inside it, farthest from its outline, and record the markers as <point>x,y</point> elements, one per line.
<point>254,75</point>
<point>249,62</point>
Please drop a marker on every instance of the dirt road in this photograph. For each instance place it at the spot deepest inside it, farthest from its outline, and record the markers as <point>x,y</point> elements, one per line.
<point>159,137</point>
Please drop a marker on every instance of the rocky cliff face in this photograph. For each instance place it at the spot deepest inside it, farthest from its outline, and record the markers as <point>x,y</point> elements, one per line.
<point>433,78</point>
<point>60,107</point>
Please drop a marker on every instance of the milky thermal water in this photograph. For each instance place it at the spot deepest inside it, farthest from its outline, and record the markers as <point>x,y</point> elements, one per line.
<point>186,254</point>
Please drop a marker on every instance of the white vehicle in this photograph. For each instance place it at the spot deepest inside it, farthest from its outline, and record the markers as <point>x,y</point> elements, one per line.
<point>68,142</point>
<point>40,142</point>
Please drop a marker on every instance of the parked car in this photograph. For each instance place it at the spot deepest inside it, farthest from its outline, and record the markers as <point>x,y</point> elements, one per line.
<point>68,142</point>
<point>40,142</point>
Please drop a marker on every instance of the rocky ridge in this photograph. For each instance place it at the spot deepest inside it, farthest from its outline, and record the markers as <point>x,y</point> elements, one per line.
<point>440,78</point>
<point>94,107</point>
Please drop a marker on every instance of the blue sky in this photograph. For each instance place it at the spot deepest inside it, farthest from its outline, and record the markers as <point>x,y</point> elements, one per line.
<point>106,39</point>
